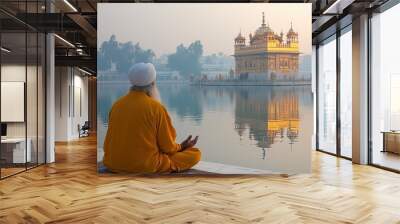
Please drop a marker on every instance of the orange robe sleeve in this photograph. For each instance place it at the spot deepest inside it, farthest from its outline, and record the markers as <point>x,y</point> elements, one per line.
<point>166,134</point>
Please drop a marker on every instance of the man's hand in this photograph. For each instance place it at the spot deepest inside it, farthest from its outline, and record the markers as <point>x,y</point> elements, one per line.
<point>188,142</point>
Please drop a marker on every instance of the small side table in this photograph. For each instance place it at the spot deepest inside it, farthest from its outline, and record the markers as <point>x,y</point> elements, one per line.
<point>391,141</point>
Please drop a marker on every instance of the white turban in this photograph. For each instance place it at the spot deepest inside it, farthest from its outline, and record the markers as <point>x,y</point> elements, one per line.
<point>142,74</point>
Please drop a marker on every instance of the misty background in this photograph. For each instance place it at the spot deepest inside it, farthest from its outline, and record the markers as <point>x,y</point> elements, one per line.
<point>185,40</point>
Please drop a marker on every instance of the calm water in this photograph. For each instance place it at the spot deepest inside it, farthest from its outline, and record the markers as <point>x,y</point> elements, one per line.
<point>260,127</point>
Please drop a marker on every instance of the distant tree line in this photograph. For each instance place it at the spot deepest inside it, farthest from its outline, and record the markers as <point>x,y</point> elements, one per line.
<point>124,55</point>
<point>186,60</point>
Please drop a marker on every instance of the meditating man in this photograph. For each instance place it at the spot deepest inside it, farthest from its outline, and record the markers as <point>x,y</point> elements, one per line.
<point>140,136</point>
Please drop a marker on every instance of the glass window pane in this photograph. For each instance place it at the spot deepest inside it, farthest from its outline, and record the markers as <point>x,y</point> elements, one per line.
<point>31,97</point>
<point>346,94</point>
<point>327,96</point>
<point>41,98</point>
<point>32,87</point>
<point>385,89</point>
<point>23,90</point>
<point>13,86</point>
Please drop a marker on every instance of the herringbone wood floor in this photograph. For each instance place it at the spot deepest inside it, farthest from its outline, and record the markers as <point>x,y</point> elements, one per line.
<point>70,191</point>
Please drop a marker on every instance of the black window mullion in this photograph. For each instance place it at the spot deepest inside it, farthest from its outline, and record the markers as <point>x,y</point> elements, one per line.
<point>26,87</point>
<point>369,91</point>
<point>73,91</point>
<point>316,96</point>
<point>338,77</point>
<point>37,90</point>
<point>45,93</point>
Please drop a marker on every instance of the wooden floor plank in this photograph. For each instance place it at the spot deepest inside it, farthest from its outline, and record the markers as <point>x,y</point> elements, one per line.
<point>71,191</point>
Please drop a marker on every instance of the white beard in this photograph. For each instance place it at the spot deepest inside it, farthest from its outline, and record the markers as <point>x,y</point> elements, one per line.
<point>154,93</point>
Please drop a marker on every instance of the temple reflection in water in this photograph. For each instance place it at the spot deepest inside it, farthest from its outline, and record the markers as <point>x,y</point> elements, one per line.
<point>283,118</point>
<point>269,116</point>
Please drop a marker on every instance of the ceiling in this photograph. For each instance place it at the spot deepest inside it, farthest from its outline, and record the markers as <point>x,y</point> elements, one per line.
<point>75,21</point>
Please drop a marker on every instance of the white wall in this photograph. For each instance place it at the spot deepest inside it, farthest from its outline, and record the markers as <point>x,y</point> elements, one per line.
<point>13,73</point>
<point>61,103</point>
<point>79,115</point>
<point>71,94</point>
<point>16,73</point>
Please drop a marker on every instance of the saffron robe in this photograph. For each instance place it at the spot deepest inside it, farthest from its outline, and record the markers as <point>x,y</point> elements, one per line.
<point>141,138</point>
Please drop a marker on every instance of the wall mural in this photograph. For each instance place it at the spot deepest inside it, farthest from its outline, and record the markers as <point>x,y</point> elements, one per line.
<point>236,75</point>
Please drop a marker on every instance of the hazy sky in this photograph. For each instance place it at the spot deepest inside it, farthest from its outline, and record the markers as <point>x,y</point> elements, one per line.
<point>163,26</point>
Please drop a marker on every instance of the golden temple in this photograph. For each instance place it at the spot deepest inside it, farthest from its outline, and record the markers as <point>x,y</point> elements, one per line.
<point>268,55</point>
